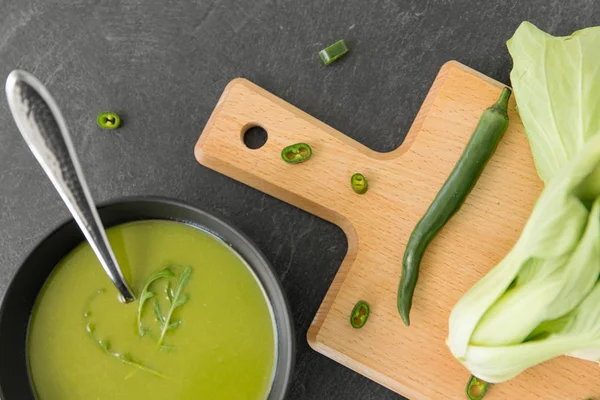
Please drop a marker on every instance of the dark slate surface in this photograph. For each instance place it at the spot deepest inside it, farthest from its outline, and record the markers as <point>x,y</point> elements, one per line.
<point>164,64</point>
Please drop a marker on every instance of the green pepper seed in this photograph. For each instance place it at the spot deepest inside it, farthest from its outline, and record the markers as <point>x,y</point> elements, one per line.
<point>296,153</point>
<point>476,388</point>
<point>108,120</point>
<point>359,183</point>
<point>333,52</point>
<point>360,314</point>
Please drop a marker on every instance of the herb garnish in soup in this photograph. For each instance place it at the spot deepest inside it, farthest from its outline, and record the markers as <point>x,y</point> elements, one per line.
<point>200,328</point>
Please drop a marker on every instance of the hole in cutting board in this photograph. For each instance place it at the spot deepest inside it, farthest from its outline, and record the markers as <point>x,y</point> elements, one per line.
<point>255,137</point>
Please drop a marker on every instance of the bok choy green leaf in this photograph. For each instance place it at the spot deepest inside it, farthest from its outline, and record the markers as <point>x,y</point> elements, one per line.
<point>557,90</point>
<point>543,299</point>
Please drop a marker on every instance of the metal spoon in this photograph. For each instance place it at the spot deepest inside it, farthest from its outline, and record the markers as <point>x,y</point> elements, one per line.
<point>44,129</point>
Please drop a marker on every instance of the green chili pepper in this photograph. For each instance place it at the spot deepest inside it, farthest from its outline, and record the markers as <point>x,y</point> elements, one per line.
<point>476,388</point>
<point>296,153</point>
<point>108,120</point>
<point>360,314</point>
<point>333,52</point>
<point>359,183</point>
<point>482,144</point>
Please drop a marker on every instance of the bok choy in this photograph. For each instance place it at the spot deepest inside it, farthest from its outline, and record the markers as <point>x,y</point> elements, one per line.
<point>543,299</point>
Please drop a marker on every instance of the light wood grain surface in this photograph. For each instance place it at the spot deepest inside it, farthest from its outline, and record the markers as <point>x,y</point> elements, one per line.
<point>415,361</point>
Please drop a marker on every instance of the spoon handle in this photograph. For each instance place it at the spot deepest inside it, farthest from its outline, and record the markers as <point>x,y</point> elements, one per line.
<point>44,129</point>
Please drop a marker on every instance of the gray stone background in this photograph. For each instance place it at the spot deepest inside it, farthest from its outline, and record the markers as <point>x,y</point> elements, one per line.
<point>163,64</point>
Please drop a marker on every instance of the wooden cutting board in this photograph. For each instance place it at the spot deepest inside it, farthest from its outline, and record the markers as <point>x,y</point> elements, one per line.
<point>415,361</point>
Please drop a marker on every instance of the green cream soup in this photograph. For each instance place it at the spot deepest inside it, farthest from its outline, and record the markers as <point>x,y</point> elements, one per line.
<point>204,330</point>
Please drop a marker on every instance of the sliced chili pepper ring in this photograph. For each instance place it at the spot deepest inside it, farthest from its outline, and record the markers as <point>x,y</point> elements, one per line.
<point>360,314</point>
<point>108,120</point>
<point>296,153</point>
<point>476,388</point>
<point>359,183</point>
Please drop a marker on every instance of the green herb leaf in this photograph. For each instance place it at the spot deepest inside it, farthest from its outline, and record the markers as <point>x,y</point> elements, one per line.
<point>158,313</point>
<point>147,294</point>
<point>169,291</point>
<point>90,327</point>
<point>124,356</point>
<point>174,325</point>
<point>179,298</point>
<point>105,345</point>
<point>182,300</point>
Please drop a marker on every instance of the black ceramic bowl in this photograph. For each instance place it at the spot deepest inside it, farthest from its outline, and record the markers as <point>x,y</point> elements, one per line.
<point>21,294</point>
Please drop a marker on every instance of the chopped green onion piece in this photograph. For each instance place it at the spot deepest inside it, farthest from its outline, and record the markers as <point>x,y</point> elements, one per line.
<point>296,153</point>
<point>108,120</point>
<point>360,314</point>
<point>476,388</point>
<point>359,183</point>
<point>333,52</point>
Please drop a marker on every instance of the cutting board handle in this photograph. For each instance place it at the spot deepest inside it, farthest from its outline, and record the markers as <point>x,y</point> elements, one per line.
<point>320,185</point>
